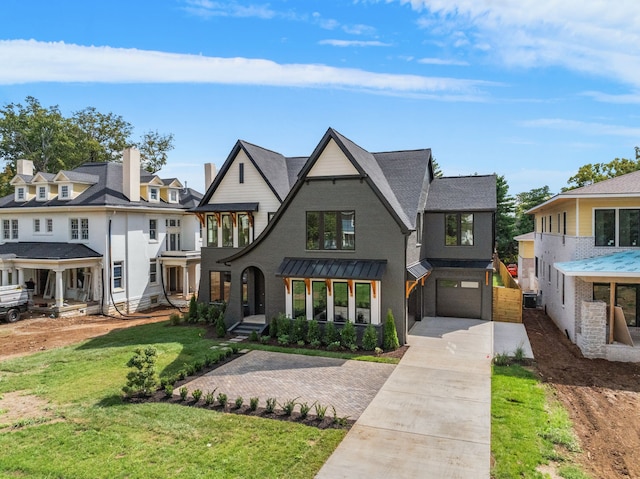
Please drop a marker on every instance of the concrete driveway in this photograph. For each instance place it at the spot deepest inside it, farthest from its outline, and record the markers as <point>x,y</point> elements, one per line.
<point>432,418</point>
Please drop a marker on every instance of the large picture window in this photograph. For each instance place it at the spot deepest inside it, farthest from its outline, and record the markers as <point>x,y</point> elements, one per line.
<point>219,286</point>
<point>319,292</point>
<point>459,229</point>
<point>243,229</point>
<point>363,303</point>
<point>340,302</point>
<point>299,298</point>
<point>629,227</point>
<point>605,227</point>
<point>212,231</point>
<point>331,230</point>
<point>227,231</point>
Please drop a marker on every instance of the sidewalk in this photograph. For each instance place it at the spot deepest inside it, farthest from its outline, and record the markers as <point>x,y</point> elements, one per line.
<point>432,417</point>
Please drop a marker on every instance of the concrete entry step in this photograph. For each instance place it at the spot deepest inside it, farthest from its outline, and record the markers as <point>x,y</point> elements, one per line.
<point>245,329</point>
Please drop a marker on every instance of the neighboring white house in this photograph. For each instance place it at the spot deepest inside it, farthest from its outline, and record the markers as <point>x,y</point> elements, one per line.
<point>105,236</point>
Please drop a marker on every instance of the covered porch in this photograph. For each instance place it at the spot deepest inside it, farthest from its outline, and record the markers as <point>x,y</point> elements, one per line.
<point>607,305</point>
<point>62,278</point>
<point>180,274</point>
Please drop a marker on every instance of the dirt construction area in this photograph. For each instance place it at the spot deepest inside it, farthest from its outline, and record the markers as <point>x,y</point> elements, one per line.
<point>602,398</point>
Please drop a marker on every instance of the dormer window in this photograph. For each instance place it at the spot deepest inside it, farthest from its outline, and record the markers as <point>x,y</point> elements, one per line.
<point>154,194</point>
<point>64,192</point>
<point>42,193</point>
<point>20,194</point>
<point>173,196</point>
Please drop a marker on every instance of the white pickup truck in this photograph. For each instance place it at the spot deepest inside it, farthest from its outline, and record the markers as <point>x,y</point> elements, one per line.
<point>14,300</point>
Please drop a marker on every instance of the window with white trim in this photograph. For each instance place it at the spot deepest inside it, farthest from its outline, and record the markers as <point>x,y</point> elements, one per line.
<point>153,272</point>
<point>153,229</point>
<point>64,192</point>
<point>49,225</point>
<point>617,227</point>
<point>14,229</point>
<point>20,194</point>
<point>154,194</point>
<point>79,228</point>
<point>36,225</point>
<point>173,196</point>
<point>118,274</point>
<point>42,193</point>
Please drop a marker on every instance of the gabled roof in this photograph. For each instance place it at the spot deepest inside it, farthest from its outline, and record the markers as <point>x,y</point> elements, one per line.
<point>106,191</point>
<point>463,193</point>
<point>525,237</point>
<point>75,177</point>
<point>41,176</point>
<point>275,169</point>
<point>398,178</point>
<point>621,186</point>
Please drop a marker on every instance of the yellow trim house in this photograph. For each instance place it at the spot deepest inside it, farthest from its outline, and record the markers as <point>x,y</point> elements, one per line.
<point>586,257</point>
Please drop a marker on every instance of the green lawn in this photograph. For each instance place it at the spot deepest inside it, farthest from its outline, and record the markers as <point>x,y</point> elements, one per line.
<point>528,427</point>
<point>98,436</point>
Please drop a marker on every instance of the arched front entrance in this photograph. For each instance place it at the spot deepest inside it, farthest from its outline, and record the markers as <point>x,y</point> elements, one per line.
<point>253,292</point>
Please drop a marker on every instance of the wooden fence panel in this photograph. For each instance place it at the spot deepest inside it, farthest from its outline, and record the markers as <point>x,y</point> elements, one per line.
<point>507,301</point>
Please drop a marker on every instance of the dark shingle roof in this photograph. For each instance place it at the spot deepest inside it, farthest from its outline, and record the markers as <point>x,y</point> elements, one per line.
<point>80,177</point>
<point>106,191</point>
<point>48,250</point>
<point>462,193</point>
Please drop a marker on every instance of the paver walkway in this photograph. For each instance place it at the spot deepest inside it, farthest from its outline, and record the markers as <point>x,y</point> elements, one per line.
<point>349,386</point>
<point>432,418</point>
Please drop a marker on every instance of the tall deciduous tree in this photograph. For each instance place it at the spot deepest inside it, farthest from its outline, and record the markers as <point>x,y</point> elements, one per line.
<point>524,202</point>
<point>102,136</point>
<point>595,172</point>
<point>153,150</point>
<point>505,221</point>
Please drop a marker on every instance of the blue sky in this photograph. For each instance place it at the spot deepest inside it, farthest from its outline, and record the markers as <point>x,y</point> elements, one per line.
<point>528,89</point>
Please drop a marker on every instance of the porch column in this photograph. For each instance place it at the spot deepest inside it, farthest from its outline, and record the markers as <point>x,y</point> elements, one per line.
<point>5,276</point>
<point>196,289</point>
<point>185,282</point>
<point>20,276</point>
<point>59,288</point>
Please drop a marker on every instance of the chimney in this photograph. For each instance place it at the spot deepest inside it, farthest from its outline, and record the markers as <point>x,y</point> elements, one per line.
<point>209,175</point>
<point>131,174</point>
<point>24,167</point>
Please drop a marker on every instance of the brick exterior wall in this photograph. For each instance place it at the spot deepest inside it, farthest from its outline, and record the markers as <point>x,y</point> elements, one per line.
<point>592,339</point>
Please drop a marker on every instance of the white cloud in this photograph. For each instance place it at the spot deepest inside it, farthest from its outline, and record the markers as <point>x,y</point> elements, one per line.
<point>596,37</point>
<point>354,43</point>
<point>30,61</point>
<point>628,98</point>
<point>208,8</point>
<point>441,61</point>
<point>359,29</point>
<point>587,128</point>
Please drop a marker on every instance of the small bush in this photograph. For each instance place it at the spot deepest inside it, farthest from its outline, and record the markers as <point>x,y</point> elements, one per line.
<point>501,359</point>
<point>221,328</point>
<point>348,335</point>
<point>299,329</point>
<point>222,400</point>
<point>142,381</point>
<point>253,403</point>
<point>315,343</point>
<point>335,346</point>
<point>289,406</point>
<point>253,336</point>
<point>284,325</point>
<point>270,406</point>
<point>183,393</point>
<point>518,355</point>
<point>265,339</point>
<point>198,365</point>
<point>370,338</point>
<point>313,332</point>
<point>193,308</point>
<point>235,348</point>
<point>168,390</point>
<point>284,339</point>
<point>175,319</point>
<point>273,327</point>
<point>238,402</point>
<point>378,351</point>
<point>210,398</point>
<point>390,338</point>
<point>331,334</point>
<point>196,394</point>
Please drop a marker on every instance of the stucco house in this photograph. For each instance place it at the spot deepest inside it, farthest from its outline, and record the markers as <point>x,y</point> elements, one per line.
<point>102,237</point>
<point>587,257</point>
<point>345,235</point>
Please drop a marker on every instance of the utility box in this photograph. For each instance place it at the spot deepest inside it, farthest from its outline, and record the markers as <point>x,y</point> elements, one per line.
<point>529,300</point>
